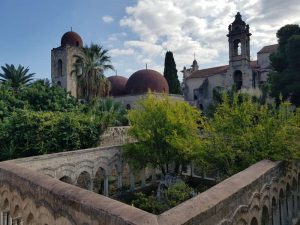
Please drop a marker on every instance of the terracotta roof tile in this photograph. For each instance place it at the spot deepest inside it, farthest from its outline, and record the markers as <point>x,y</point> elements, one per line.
<point>216,70</point>
<point>268,49</point>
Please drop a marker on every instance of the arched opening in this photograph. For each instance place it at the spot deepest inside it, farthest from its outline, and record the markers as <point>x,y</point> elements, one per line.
<point>237,48</point>
<point>254,221</point>
<point>241,222</point>
<point>6,213</point>
<point>265,216</point>
<point>99,181</point>
<point>84,180</point>
<point>66,179</point>
<point>238,79</point>
<point>29,220</point>
<point>77,43</point>
<point>59,68</point>
<point>128,107</point>
<point>58,83</point>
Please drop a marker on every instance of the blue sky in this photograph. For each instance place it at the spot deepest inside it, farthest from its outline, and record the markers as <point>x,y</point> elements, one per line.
<point>137,31</point>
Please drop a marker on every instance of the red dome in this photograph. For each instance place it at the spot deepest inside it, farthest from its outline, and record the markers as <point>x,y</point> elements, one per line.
<point>118,85</point>
<point>143,80</point>
<point>71,38</point>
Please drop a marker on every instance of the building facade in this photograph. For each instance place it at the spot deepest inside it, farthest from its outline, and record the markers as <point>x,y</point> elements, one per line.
<point>241,72</point>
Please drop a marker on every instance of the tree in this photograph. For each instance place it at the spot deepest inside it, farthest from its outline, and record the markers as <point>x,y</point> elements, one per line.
<point>170,73</point>
<point>167,132</point>
<point>89,69</point>
<point>242,133</point>
<point>285,80</point>
<point>15,77</point>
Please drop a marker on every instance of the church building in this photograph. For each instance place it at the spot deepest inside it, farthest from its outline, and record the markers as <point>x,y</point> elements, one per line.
<point>199,85</point>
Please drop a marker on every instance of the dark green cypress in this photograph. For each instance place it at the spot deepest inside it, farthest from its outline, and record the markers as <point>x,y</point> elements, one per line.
<point>170,73</point>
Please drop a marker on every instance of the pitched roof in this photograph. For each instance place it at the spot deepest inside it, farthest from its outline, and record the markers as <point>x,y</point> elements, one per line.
<point>215,70</point>
<point>268,49</point>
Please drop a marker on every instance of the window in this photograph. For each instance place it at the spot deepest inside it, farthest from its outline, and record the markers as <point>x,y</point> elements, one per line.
<point>59,68</point>
<point>237,49</point>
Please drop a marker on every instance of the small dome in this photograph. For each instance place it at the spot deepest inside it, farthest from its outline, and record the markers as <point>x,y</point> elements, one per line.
<point>143,80</point>
<point>118,85</point>
<point>71,38</point>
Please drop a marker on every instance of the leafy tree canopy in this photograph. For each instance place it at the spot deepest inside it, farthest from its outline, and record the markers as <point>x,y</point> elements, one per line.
<point>244,132</point>
<point>285,80</point>
<point>166,132</point>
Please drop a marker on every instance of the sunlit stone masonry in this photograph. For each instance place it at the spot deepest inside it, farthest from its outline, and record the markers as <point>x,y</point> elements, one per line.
<point>71,188</point>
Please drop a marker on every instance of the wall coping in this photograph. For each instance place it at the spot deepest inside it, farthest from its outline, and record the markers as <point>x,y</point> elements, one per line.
<point>199,206</point>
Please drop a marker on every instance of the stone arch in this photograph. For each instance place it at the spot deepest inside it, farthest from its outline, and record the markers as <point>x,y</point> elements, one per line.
<point>113,179</point>
<point>59,68</point>
<point>238,79</point>
<point>84,180</point>
<point>265,217</point>
<point>30,219</point>
<point>45,216</point>
<point>254,221</point>
<point>99,179</point>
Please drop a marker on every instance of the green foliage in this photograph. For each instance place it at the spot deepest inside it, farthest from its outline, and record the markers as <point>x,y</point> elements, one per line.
<point>174,195</point>
<point>285,80</point>
<point>15,77</point>
<point>111,113</point>
<point>244,132</point>
<point>89,70</point>
<point>166,132</point>
<point>170,73</point>
<point>41,96</point>
<point>27,133</point>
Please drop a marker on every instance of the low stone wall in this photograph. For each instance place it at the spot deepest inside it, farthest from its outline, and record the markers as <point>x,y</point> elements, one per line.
<point>265,191</point>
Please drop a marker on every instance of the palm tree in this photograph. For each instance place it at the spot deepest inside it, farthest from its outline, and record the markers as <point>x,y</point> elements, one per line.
<point>89,69</point>
<point>15,77</point>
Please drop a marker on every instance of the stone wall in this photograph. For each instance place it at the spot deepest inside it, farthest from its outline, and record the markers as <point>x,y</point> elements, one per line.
<point>115,136</point>
<point>265,193</point>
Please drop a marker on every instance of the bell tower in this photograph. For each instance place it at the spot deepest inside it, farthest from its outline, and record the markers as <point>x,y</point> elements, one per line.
<point>240,71</point>
<point>62,60</point>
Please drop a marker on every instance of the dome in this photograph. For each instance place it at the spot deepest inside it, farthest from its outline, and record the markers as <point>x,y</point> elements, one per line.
<point>143,80</point>
<point>118,85</point>
<point>71,38</point>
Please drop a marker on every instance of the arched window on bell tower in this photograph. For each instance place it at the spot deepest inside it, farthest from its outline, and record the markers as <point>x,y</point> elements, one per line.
<point>237,49</point>
<point>59,68</point>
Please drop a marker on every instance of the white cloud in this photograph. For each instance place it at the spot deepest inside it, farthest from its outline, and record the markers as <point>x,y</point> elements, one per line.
<point>189,26</point>
<point>121,52</point>
<point>107,19</point>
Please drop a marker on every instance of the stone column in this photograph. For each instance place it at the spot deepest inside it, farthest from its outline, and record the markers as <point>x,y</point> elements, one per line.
<point>275,216</point>
<point>120,181</point>
<point>9,220</point>
<point>105,192</point>
<point>92,184</point>
<point>5,215</point>
<point>1,218</point>
<point>132,182</point>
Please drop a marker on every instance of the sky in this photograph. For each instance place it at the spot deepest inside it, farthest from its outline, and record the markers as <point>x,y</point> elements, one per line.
<point>137,32</point>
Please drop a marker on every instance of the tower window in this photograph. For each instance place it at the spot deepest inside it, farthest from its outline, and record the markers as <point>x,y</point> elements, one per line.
<point>237,48</point>
<point>58,83</point>
<point>238,79</point>
<point>59,68</point>
<point>77,43</point>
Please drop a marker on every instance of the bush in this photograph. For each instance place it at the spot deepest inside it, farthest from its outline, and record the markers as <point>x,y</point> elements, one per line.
<point>30,133</point>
